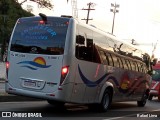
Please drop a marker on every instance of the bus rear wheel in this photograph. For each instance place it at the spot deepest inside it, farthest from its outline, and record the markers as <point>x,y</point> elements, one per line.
<point>159,97</point>
<point>150,97</point>
<point>143,101</point>
<point>106,101</point>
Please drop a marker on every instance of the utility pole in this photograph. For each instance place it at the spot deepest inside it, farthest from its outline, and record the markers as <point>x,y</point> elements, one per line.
<point>74,8</point>
<point>114,10</point>
<point>89,8</point>
<point>154,48</point>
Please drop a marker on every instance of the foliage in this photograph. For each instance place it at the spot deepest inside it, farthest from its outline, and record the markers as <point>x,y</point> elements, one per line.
<point>10,11</point>
<point>8,17</point>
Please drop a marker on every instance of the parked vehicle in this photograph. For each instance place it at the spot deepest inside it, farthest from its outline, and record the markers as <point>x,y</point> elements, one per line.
<point>155,87</point>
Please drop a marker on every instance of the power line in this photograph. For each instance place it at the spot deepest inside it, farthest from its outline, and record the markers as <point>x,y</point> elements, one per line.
<point>89,9</point>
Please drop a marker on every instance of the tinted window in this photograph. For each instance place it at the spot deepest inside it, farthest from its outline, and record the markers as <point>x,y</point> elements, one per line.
<point>86,49</point>
<point>32,35</point>
<point>156,75</point>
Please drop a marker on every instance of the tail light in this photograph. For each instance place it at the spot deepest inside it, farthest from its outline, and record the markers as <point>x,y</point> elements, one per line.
<point>64,73</point>
<point>7,68</point>
<point>41,22</point>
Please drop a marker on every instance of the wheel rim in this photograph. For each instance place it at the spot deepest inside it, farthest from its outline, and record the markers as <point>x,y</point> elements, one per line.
<point>106,101</point>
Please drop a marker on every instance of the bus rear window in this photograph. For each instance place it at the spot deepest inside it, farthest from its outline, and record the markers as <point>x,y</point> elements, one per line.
<point>31,35</point>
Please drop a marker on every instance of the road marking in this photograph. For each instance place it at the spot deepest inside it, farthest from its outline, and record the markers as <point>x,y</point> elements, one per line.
<point>114,118</point>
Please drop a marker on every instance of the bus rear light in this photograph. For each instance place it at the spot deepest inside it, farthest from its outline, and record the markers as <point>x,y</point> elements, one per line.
<point>7,67</point>
<point>64,73</point>
<point>41,22</point>
<point>67,23</point>
<point>59,88</point>
<point>64,70</point>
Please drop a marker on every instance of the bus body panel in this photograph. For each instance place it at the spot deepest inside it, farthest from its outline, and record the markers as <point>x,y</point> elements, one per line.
<point>29,75</point>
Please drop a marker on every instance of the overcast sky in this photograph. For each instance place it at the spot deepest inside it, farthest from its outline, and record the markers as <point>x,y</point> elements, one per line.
<point>136,19</point>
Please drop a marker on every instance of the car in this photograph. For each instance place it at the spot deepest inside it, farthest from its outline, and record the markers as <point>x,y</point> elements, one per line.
<point>155,86</point>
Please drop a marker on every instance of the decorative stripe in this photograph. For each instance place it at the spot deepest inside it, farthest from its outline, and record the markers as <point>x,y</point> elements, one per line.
<point>29,67</point>
<point>34,64</point>
<point>90,83</point>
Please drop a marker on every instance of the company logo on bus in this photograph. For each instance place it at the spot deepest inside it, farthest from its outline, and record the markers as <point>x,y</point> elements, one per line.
<point>38,62</point>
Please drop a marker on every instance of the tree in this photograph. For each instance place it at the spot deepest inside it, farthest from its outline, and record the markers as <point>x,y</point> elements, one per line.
<point>41,3</point>
<point>10,11</point>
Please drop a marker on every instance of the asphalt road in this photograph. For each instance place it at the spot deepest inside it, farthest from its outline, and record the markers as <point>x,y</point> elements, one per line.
<point>118,111</point>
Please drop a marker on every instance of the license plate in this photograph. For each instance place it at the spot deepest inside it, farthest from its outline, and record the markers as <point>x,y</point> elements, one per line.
<point>29,83</point>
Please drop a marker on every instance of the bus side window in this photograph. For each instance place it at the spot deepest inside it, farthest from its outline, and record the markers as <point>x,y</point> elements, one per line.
<point>133,66</point>
<point>114,58</point>
<point>80,46</point>
<point>124,63</point>
<point>96,54</point>
<point>109,58</point>
<point>129,64</point>
<point>103,57</point>
<point>141,67</point>
<point>121,63</point>
<point>89,49</point>
<point>137,67</point>
<point>145,68</point>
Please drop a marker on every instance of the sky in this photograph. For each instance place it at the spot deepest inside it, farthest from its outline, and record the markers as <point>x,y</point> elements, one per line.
<point>136,19</point>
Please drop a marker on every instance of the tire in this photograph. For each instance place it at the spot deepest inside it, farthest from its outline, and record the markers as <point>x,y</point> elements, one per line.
<point>106,101</point>
<point>150,97</point>
<point>143,101</point>
<point>159,97</point>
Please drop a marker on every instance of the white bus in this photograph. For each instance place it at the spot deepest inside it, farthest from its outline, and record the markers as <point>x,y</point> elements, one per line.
<point>62,61</point>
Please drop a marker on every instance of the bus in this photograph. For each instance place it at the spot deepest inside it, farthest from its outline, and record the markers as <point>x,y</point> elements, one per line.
<point>155,87</point>
<point>61,60</point>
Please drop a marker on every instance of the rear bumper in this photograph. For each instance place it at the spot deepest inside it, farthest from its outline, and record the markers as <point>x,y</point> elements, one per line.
<point>29,93</point>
